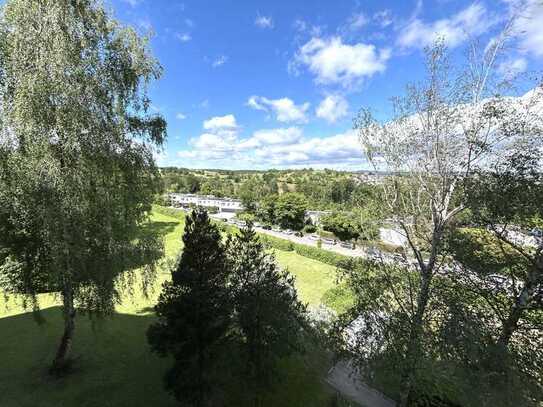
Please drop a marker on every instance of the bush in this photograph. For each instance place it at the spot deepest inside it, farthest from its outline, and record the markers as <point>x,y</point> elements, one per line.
<point>246,216</point>
<point>339,298</point>
<point>270,242</point>
<point>310,228</point>
<point>324,256</point>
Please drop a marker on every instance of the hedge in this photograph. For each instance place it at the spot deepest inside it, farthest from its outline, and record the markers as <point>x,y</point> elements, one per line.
<point>324,256</point>
<point>276,243</point>
<point>315,253</point>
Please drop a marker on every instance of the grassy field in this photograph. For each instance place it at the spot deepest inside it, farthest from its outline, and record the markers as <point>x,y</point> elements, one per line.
<point>113,364</point>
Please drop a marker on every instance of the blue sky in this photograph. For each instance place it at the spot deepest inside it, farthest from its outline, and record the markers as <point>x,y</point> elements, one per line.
<point>275,84</point>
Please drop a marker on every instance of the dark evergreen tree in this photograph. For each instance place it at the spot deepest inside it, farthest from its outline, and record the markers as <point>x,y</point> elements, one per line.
<point>268,314</point>
<point>194,312</point>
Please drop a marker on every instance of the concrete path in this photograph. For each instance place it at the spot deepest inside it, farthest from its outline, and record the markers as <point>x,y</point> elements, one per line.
<point>343,378</point>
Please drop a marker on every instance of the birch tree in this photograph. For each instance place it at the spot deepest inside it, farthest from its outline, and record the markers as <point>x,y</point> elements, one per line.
<point>77,173</point>
<point>440,130</point>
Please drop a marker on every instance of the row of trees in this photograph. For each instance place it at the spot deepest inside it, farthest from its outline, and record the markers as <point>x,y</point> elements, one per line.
<point>321,189</point>
<point>223,299</point>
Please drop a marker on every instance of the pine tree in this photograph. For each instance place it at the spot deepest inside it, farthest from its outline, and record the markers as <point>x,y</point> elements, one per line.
<point>194,312</point>
<point>268,314</point>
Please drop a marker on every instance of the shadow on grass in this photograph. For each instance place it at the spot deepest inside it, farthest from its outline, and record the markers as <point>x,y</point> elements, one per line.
<point>114,367</point>
<point>113,364</point>
<point>158,228</point>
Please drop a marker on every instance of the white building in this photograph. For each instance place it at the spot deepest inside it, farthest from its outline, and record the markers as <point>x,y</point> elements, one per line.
<point>206,201</point>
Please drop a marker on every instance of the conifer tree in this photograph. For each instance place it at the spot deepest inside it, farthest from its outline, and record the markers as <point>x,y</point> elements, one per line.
<point>194,312</point>
<point>268,314</point>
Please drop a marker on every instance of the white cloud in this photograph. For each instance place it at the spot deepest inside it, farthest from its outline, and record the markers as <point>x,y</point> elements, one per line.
<point>180,116</point>
<point>263,21</point>
<point>272,137</point>
<point>282,147</point>
<point>220,123</point>
<point>529,26</point>
<point>383,18</point>
<point>334,62</point>
<point>184,37</point>
<point>218,142</point>
<point>332,108</point>
<point>473,20</point>
<point>357,21</point>
<point>285,110</point>
<point>340,149</point>
<point>219,61</point>
<point>511,68</point>
<point>133,3</point>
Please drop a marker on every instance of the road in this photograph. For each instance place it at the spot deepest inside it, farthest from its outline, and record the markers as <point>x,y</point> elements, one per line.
<point>343,378</point>
<point>358,252</point>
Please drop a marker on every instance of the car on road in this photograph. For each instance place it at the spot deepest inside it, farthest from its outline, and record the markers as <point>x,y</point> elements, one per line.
<point>347,245</point>
<point>314,237</point>
<point>288,232</point>
<point>276,229</point>
<point>328,241</point>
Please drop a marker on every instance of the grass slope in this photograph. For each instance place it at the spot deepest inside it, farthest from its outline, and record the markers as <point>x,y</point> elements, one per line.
<point>114,366</point>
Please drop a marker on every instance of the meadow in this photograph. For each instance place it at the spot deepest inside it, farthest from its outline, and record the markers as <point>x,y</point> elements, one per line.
<point>113,365</point>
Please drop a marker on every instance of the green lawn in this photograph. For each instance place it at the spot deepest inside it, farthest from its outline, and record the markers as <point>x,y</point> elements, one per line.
<point>313,278</point>
<point>114,366</point>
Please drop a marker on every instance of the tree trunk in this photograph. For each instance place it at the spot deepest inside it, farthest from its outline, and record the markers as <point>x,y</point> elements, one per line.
<point>522,302</point>
<point>414,347</point>
<point>62,357</point>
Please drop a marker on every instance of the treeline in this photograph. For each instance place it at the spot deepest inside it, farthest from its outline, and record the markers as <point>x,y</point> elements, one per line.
<point>323,189</point>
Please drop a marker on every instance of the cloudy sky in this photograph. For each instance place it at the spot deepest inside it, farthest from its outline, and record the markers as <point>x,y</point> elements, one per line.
<point>275,84</point>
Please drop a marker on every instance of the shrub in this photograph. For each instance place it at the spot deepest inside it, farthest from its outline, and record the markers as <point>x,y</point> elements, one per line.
<point>324,256</point>
<point>309,228</point>
<point>270,242</point>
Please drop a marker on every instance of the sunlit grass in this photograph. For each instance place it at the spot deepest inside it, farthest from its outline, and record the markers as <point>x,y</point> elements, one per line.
<point>113,364</point>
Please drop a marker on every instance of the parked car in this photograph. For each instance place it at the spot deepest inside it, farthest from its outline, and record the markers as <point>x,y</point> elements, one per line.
<point>266,227</point>
<point>347,245</point>
<point>257,225</point>
<point>314,237</point>
<point>328,241</point>
<point>276,229</point>
<point>535,232</point>
<point>289,232</point>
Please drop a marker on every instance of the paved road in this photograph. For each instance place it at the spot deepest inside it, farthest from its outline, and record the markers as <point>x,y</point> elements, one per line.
<point>343,378</point>
<point>358,252</point>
